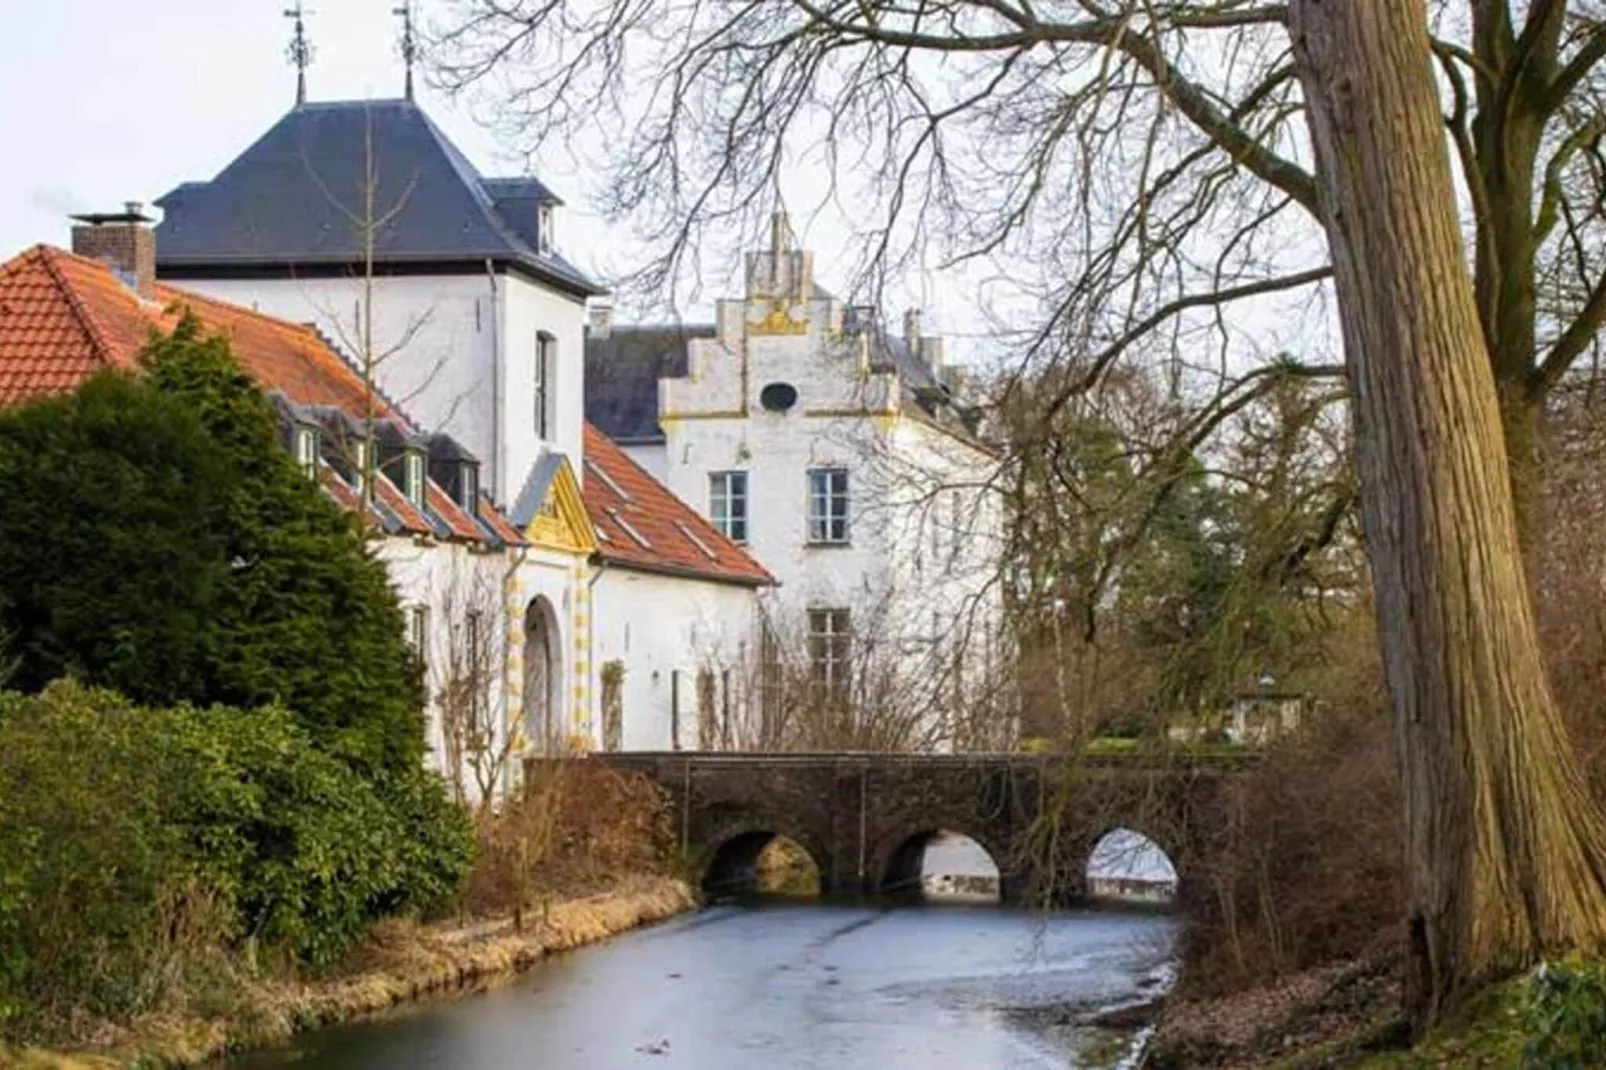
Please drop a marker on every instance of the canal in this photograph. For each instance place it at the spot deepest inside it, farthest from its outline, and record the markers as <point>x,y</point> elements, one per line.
<point>940,986</point>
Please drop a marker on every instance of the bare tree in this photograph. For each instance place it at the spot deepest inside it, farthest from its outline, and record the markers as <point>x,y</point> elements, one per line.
<point>1155,173</point>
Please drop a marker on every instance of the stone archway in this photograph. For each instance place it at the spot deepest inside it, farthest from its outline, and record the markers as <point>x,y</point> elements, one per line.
<point>899,874</point>
<point>543,672</point>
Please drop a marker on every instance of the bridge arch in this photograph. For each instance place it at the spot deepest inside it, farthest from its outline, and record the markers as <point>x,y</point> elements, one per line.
<point>731,854</point>
<point>898,868</point>
<point>1128,862</point>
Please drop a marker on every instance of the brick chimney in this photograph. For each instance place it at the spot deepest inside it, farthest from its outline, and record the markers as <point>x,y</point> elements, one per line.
<point>124,240</point>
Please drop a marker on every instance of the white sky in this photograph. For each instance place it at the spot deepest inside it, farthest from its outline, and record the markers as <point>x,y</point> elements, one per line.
<point>106,101</point>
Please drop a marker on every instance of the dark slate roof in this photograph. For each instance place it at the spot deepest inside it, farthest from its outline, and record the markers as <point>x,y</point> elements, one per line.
<point>622,373</point>
<point>288,200</point>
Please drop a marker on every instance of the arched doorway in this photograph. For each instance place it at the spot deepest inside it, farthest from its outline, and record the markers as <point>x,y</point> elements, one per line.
<point>942,865</point>
<point>542,670</point>
<point>1128,867</point>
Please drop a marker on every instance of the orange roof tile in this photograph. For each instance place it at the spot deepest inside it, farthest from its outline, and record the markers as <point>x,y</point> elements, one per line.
<point>640,524</point>
<point>64,317</point>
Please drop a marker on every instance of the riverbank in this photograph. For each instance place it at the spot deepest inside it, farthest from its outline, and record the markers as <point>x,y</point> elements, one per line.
<point>399,963</point>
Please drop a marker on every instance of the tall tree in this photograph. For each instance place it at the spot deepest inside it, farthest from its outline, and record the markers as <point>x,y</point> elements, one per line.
<point>1505,844</point>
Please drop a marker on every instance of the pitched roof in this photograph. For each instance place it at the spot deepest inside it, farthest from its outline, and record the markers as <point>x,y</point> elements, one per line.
<point>289,200</point>
<point>641,525</point>
<point>65,317</point>
<point>622,372</point>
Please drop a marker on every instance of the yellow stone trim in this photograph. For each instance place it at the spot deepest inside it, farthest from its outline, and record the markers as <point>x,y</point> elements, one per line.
<point>561,524</point>
<point>732,414</point>
<point>850,412</point>
<point>779,321</point>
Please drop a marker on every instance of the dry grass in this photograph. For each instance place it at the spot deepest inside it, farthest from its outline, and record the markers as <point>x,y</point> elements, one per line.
<point>400,962</point>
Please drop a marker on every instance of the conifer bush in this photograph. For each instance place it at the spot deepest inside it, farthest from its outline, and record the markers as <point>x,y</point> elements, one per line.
<point>156,538</point>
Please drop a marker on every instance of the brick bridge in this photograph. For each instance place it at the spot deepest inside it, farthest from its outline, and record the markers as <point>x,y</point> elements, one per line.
<point>866,818</point>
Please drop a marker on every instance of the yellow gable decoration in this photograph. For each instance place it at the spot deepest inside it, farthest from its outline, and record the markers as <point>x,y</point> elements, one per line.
<point>561,522</point>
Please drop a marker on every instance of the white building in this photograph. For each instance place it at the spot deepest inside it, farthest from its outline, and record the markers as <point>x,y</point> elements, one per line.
<point>449,288</point>
<point>847,461</point>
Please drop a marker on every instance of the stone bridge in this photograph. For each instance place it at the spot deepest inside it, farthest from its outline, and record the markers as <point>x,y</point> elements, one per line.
<point>866,818</point>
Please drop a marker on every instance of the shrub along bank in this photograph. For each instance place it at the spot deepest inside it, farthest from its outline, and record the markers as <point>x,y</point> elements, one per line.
<point>150,859</point>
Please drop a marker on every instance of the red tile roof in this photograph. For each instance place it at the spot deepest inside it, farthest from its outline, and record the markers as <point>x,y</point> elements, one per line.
<point>640,524</point>
<point>65,317</point>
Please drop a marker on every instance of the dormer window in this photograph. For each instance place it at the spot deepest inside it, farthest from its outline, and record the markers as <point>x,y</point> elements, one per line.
<point>359,466</point>
<point>468,487</point>
<point>306,441</point>
<point>413,478</point>
<point>543,230</point>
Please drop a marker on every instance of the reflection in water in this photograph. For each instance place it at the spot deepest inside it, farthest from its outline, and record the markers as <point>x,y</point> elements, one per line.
<point>787,986</point>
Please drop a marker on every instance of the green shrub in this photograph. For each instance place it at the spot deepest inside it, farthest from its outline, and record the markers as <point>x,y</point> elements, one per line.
<point>1563,1016</point>
<point>139,846</point>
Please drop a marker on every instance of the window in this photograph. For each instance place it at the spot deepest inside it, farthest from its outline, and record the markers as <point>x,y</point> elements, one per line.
<point>727,504</point>
<point>359,466</point>
<point>545,351</point>
<point>418,633</point>
<point>543,234</point>
<point>828,505</point>
<point>705,710</point>
<point>473,643</point>
<point>831,650</point>
<point>307,451</point>
<point>468,488</point>
<point>414,478</point>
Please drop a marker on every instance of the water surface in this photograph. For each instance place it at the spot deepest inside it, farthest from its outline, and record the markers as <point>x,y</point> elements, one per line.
<point>846,987</point>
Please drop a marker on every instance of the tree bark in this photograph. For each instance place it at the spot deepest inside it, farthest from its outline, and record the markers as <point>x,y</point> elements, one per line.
<point>1506,853</point>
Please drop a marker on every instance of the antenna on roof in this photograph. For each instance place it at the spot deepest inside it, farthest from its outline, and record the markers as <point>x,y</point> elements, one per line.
<point>409,43</point>
<point>300,51</point>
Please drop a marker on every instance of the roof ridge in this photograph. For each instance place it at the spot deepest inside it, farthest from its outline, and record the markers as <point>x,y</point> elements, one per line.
<point>47,256</point>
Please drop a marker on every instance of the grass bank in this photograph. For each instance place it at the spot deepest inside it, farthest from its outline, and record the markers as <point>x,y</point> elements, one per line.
<point>399,963</point>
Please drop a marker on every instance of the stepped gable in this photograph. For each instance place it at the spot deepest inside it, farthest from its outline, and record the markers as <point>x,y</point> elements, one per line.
<point>289,200</point>
<point>641,525</point>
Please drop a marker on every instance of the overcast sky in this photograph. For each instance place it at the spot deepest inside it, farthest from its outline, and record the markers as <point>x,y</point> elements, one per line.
<point>106,101</point>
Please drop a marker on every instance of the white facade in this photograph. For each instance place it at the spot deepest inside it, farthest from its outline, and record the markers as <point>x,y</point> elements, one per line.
<point>458,352</point>
<point>466,608</point>
<point>918,568</point>
<point>678,648</point>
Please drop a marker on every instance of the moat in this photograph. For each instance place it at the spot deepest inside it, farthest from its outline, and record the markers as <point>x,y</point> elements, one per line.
<point>945,985</point>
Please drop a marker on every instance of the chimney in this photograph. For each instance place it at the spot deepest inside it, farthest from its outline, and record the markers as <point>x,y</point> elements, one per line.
<point>911,330</point>
<point>599,323</point>
<point>124,240</point>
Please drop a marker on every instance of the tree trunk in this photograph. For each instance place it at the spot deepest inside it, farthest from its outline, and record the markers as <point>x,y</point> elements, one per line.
<point>1505,846</point>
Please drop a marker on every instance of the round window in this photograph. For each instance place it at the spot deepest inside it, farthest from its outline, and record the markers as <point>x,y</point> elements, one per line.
<point>778,397</point>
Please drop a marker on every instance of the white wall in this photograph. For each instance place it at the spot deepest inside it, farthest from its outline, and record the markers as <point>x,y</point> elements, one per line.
<point>655,626</point>
<point>452,579</point>
<point>527,310</point>
<point>921,566</point>
<point>449,329</point>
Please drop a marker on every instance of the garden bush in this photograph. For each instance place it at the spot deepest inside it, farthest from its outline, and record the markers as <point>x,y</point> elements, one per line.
<point>141,848</point>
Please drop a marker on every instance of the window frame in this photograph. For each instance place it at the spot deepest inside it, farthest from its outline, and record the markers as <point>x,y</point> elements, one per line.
<point>833,526</point>
<point>307,450</point>
<point>546,346</point>
<point>721,498</point>
<point>468,487</point>
<point>418,632</point>
<point>830,649</point>
<point>414,476</point>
